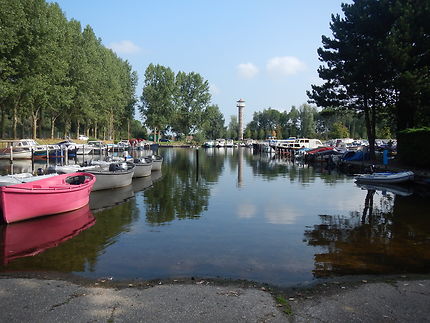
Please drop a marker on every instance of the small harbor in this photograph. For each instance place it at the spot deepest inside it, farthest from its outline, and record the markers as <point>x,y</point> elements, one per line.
<point>228,213</point>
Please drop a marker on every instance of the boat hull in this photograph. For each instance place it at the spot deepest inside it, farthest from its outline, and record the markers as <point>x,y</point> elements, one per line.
<point>386,177</point>
<point>112,179</point>
<point>156,162</point>
<point>16,155</point>
<point>44,197</point>
<point>142,170</point>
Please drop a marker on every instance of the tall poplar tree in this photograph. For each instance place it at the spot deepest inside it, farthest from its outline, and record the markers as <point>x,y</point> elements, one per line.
<point>157,97</point>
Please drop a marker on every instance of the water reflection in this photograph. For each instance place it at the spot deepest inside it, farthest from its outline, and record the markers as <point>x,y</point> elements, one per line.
<point>389,235</point>
<point>179,195</point>
<point>234,214</point>
<point>104,199</point>
<point>30,238</point>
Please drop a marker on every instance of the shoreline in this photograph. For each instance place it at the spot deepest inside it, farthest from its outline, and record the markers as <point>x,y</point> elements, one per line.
<point>59,296</point>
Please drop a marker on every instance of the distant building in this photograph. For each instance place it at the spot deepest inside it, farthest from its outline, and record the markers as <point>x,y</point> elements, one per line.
<point>240,105</point>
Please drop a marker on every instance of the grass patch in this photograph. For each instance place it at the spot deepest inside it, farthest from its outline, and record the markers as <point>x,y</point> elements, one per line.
<point>286,307</point>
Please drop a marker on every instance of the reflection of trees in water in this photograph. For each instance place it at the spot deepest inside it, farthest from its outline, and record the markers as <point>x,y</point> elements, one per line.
<point>183,193</point>
<point>271,167</point>
<point>81,252</point>
<point>391,237</point>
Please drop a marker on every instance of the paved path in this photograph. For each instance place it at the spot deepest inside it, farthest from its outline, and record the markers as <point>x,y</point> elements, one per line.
<point>36,300</point>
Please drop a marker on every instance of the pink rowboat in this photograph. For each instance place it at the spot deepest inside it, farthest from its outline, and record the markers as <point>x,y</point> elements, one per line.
<point>47,196</point>
<point>30,238</point>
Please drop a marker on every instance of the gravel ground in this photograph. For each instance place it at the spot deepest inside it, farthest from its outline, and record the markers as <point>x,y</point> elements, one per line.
<point>54,300</point>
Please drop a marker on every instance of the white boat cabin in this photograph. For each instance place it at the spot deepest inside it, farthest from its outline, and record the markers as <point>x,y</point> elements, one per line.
<point>306,143</point>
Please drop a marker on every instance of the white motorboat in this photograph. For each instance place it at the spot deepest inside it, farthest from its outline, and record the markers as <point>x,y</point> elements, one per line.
<point>209,144</point>
<point>143,167</point>
<point>67,169</point>
<point>387,177</point>
<point>20,149</point>
<point>94,147</point>
<point>220,143</point>
<point>112,175</point>
<point>21,178</point>
<point>68,146</point>
<point>156,162</point>
<point>229,143</point>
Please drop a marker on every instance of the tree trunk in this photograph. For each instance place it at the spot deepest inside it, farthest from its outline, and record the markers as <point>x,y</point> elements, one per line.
<point>66,128</point>
<point>369,128</point>
<point>34,121</point>
<point>14,121</point>
<point>128,129</point>
<point>53,126</point>
<point>78,128</point>
<point>95,129</point>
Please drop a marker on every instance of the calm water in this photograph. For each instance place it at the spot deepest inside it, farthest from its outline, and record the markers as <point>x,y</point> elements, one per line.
<point>230,214</point>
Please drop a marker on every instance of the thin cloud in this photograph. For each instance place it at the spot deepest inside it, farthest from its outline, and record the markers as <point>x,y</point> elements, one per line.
<point>247,70</point>
<point>284,66</point>
<point>125,47</point>
<point>246,210</point>
<point>213,89</point>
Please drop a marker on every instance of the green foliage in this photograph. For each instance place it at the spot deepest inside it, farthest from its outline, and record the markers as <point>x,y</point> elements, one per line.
<point>233,128</point>
<point>339,131</point>
<point>52,70</point>
<point>378,63</point>
<point>384,133</point>
<point>137,130</point>
<point>284,303</point>
<point>157,96</point>
<point>213,123</point>
<point>191,99</point>
<point>413,146</point>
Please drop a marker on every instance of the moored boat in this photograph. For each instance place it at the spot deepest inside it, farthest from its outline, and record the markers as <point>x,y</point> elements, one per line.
<point>7,180</point>
<point>387,177</point>
<point>52,195</point>
<point>208,144</point>
<point>112,175</point>
<point>19,149</point>
<point>156,162</point>
<point>143,167</point>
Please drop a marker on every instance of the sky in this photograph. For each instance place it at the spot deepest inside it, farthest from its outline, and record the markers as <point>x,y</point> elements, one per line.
<point>264,52</point>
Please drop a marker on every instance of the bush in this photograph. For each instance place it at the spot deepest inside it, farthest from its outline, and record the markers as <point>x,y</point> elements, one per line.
<point>413,147</point>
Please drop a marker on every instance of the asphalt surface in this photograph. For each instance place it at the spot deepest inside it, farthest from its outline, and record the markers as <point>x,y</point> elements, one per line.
<point>40,300</point>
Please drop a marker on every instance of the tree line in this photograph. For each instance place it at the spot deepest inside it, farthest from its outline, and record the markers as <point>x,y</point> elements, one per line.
<point>179,103</point>
<point>307,122</point>
<point>57,78</point>
<point>377,64</point>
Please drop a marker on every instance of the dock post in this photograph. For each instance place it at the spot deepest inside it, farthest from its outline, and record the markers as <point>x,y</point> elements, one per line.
<point>32,159</point>
<point>197,164</point>
<point>11,155</point>
<point>11,160</point>
<point>47,156</point>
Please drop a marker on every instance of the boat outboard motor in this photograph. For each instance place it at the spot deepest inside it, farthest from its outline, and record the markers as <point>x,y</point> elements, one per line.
<point>137,160</point>
<point>51,170</point>
<point>113,167</point>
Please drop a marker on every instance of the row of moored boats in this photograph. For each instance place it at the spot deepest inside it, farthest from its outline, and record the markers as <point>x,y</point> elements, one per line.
<point>66,188</point>
<point>29,148</point>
